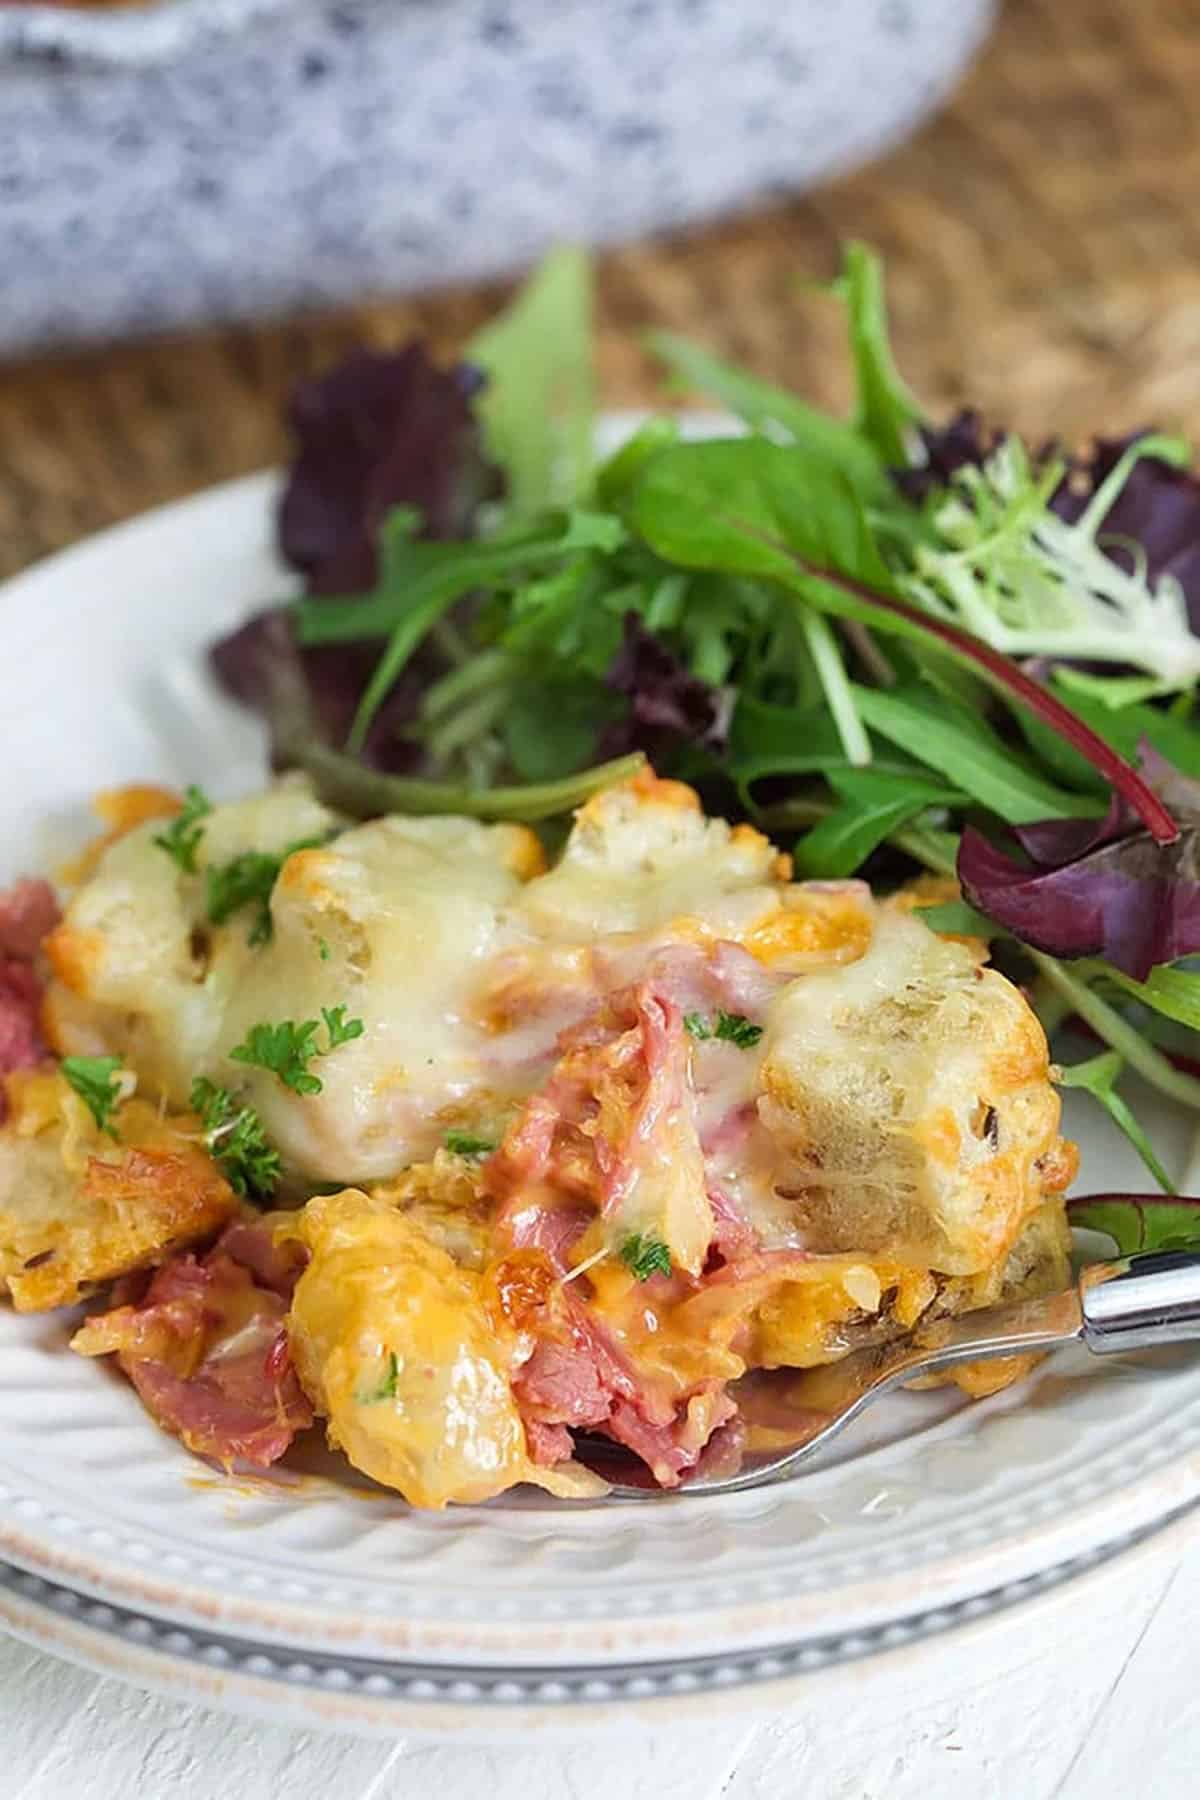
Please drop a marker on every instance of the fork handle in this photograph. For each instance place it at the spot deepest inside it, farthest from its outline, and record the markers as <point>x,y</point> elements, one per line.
<point>1140,1302</point>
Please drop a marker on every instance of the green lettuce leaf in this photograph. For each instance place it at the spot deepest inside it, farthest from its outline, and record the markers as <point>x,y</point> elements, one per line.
<point>539,407</point>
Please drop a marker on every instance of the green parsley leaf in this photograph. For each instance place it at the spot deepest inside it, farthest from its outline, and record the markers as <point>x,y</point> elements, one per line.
<point>729,1028</point>
<point>235,1139</point>
<point>287,1049</point>
<point>341,1029</point>
<point>735,1028</point>
<point>385,1388</point>
<point>181,838</point>
<point>462,1143</point>
<point>645,1255</point>
<point>94,1079</point>
<point>249,880</point>
<point>322,950</point>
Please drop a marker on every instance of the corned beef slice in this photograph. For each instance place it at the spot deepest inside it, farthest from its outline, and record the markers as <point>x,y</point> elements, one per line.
<point>28,910</point>
<point>206,1348</point>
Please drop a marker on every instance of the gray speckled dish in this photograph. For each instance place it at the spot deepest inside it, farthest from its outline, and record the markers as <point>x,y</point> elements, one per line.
<point>226,159</point>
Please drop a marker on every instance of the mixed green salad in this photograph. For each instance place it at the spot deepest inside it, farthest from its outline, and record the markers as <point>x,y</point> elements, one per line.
<point>895,645</point>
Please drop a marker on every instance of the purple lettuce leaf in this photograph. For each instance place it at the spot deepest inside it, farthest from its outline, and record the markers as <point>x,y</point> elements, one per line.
<point>963,442</point>
<point>382,429</point>
<point>254,662</point>
<point>1052,842</point>
<point>1157,508</point>
<point>378,431</point>
<point>1097,887</point>
<point>668,705</point>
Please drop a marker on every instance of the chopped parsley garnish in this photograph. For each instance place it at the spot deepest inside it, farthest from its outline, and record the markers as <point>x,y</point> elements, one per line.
<point>181,838</point>
<point>730,1028</point>
<point>463,1143</point>
<point>341,1029</point>
<point>287,1049</point>
<point>322,950</point>
<point>385,1388</point>
<point>644,1255</point>
<point>235,1139</point>
<point>249,880</point>
<point>95,1080</point>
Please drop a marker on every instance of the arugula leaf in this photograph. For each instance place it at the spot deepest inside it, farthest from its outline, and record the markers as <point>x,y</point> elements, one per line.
<point>1098,1077</point>
<point>385,1387</point>
<point>553,723</point>
<point>538,408</point>
<point>729,1028</point>
<point>406,610</point>
<point>181,838</point>
<point>767,740</point>
<point>1136,1223</point>
<point>96,1081</point>
<point>235,1139</point>
<point>1168,989</point>
<point>618,473</point>
<point>287,1049</point>
<point>777,414</point>
<point>886,410</point>
<point>875,804</point>
<point>645,1255</point>
<point>749,507</point>
<point>416,587</point>
<point>464,1143</point>
<point>946,739</point>
<point>1176,739</point>
<point>752,508</point>
<point>1112,691</point>
<point>954,918</point>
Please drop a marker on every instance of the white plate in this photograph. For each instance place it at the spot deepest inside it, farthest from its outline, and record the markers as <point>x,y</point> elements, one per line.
<point>929,1512</point>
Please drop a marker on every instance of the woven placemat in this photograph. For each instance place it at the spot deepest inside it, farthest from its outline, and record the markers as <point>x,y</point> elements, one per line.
<point>1043,250</point>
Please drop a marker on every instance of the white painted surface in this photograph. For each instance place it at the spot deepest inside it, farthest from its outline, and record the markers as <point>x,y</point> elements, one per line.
<point>1085,1694</point>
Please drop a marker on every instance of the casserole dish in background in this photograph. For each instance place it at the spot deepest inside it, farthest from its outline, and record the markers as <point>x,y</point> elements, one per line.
<point>195,160</point>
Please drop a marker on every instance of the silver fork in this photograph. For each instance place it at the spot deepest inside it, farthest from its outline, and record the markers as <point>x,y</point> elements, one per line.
<point>1136,1303</point>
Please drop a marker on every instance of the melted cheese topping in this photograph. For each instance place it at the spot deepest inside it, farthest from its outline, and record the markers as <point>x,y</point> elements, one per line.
<point>898,1101</point>
<point>394,1342</point>
<point>833,1122</point>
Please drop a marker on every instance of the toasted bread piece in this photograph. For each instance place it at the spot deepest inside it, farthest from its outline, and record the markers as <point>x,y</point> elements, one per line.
<point>910,1098</point>
<point>77,1210</point>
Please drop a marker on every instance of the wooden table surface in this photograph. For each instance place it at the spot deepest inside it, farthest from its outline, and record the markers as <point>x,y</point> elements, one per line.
<point>1043,244</point>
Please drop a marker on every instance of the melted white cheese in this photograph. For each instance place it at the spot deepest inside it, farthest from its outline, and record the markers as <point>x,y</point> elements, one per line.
<point>900,1099</point>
